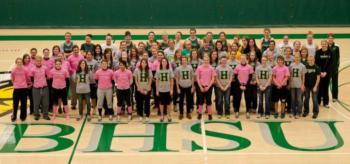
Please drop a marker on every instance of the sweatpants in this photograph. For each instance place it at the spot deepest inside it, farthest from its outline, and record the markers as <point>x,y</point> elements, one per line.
<point>73,92</point>
<point>334,77</point>
<point>103,94</point>
<point>323,90</point>
<point>307,93</point>
<point>41,99</point>
<point>264,96</point>
<point>238,97</point>
<point>143,103</point>
<point>20,95</point>
<point>297,103</point>
<point>81,97</point>
<point>186,92</point>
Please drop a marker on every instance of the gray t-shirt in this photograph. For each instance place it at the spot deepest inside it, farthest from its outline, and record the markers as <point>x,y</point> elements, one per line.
<point>93,67</point>
<point>143,79</point>
<point>164,76</point>
<point>263,73</point>
<point>296,73</point>
<point>223,74</point>
<point>83,82</point>
<point>233,64</point>
<point>185,75</point>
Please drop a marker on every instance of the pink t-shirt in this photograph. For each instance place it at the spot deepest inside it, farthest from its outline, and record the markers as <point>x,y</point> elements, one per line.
<point>39,75</point>
<point>280,73</point>
<point>205,74</point>
<point>104,78</point>
<point>58,78</point>
<point>65,65</point>
<point>48,64</point>
<point>20,77</point>
<point>243,73</point>
<point>122,79</point>
<point>73,61</point>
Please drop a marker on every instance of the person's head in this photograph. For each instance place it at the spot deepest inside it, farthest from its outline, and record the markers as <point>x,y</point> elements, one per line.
<point>104,64</point>
<point>177,55</point>
<point>243,59</point>
<point>33,52</point>
<point>26,59</point>
<point>89,55</point>
<point>58,64</point>
<point>331,38</point>
<point>188,44</point>
<point>223,60</point>
<point>264,60</point>
<point>233,55</point>
<point>151,36</point>
<point>311,60</point>
<point>309,37</point>
<point>304,53</point>
<point>324,45</point>
<point>55,50</point>
<point>184,61</point>
<point>178,35</point>
<point>267,32</point>
<point>98,49</point>
<point>165,36</point>
<point>122,65</point>
<point>109,39</point>
<point>107,54</point>
<point>222,36</point>
<point>236,39</point>
<point>272,45</point>
<point>134,53</point>
<point>88,38</point>
<point>214,56</point>
<point>154,52</point>
<point>123,45</point>
<point>245,41</point>
<point>252,57</point>
<point>194,54</point>
<point>38,60</point>
<point>19,62</point>
<point>193,32</point>
<point>124,56</point>
<point>269,55</point>
<point>127,36</point>
<point>83,67</point>
<point>205,42</point>
<point>160,55</point>
<point>280,60</point>
<point>144,64</point>
<point>218,45</point>
<point>46,53</point>
<point>60,56</point>
<point>288,51</point>
<point>155,45</point>
<point>206,60</point>
<point>171,44</point>
<point>68,37</point>
<point>285,39</point>
<point>235,47</point>
<point>297,57</point>
<point>209,36</point>
<point>75,49</point>
<point>297,45</point>
<point>164,63</point>
<point>141,46</point>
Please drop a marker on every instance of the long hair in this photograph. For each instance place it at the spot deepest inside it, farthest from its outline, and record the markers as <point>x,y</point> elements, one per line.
<point>24,56</point>
<point>53,48</point>
<point>146,70</point>
<point>99,54</point>
<point>167,63</point>
<point>86,69</point>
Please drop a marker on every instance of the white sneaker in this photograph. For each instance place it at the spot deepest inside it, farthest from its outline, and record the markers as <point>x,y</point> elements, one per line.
<point>118,118</point>
<point>99,118</point>
<point>129,117</point>
<point>237,114</point>
<point>110,117</point>
<point>147,119</point>
<point>247,116</point>
<point>140,119</point>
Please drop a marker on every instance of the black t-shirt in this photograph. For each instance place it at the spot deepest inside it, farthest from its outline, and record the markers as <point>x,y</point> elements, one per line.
<point>87,47</point>
<point>311,75</point>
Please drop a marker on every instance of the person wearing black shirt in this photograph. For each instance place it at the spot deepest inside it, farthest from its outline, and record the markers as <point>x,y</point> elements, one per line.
<point>312,80</point>
<point>335,66</point>
<point>324,61</point>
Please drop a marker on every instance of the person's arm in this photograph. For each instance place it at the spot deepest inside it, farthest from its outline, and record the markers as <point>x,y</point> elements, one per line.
<point>192,82</point>
<point>131,78</point>
<point>171,86</point>
<point>177,79</point>
<point>212,79</point>
<point>229,81</point>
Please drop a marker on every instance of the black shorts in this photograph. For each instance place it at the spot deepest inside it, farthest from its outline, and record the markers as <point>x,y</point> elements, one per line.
<point>279,94</point>
<point>164,98</point>
<point>93,91</point>
<point>59,94</point>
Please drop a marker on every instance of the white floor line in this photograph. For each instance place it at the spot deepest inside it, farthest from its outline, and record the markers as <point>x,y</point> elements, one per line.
<point>204,140</point>
<point>340,113</point>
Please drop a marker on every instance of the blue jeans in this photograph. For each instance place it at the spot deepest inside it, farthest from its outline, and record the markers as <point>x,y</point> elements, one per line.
<point>307,93</point>
<point>221,96</point>
<point>296,102</point>
<point>267,95</point>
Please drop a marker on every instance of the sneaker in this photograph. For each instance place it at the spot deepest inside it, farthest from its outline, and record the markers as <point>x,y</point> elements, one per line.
<point>296,116</point>
<point>36,118</point>
<point>140,119</point>
<point>170,120</point>
<point>210,117</point>
<point>219,116</point>
<point>275,115</point>
<point>99,118</point>
<point>283,115</point>
<point>267,117</point>
<point>73,108</point>
<point>129,117</point>
<point>13,118</point>
<point>189,116</point>
<point>259,116</point>
<point>305,114</point>
<point>88,118</point>
<point>181,116</point>
<point>47,118</point>
<point>23,119</point>
<point>79,118</point>
<point>110,117</point>
<point>175,108</point>
<point>118,118</point>
<point>327,105</point>
<point>335,100</point>
<point>237,115</point>
<point>199,117</point>
<point>314,116</point>
<point>247,115</point>
<point>228,117</point>
<point>161,120</point>
<point>147,119</point>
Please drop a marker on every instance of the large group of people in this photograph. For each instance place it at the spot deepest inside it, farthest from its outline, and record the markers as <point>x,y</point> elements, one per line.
<point>172,75</point>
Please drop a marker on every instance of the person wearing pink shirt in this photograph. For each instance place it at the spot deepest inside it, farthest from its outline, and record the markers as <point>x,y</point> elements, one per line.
<point>33,53</point>
<point>104,78</point>
<point>123,79</point>
<point>73,61</point>
<point>152,62</point>
<point>59,78</point>
<point>243,74</point>
<point>28,66</point>
<point>40,91</point>
<point>19,78</point>
<point>280,75</point>
<point>205,75</point>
